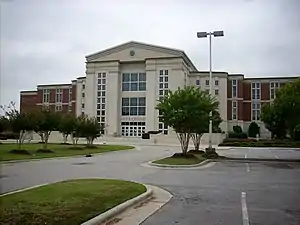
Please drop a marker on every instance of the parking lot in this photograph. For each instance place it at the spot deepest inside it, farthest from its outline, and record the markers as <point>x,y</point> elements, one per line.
<point>223,193</point>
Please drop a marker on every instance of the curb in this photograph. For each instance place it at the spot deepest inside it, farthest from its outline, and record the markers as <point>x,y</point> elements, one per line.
<point>66,157</point>
<point>257,160</point>
<point>119,208</point>
<point>179,166</point>
<point>24,189</point>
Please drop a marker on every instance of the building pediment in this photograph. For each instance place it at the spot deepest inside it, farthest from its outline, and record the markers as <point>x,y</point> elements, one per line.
<point>136,51</point>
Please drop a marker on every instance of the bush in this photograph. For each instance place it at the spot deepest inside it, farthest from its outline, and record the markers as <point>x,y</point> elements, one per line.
<point>237,135</point>
<point>262,143</point>
<point>297,133</point>
<point>237,129</point>
<point>253,130</point>
<point>154,132</point>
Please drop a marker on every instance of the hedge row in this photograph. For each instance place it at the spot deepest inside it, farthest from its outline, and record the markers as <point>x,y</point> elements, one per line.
<point>261,143</point>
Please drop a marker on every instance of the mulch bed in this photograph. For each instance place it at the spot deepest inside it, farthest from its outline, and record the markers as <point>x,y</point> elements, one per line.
<point>20,152</point>
<point>44,151</point>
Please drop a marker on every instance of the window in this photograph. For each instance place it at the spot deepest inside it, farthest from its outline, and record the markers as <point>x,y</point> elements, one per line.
<point>255,86</point>
<point>83,86</point>
<point>134,82</point>
<point>216,92</point>
<point>274,86</point>
<point>134,106</point>
<point>255,111</point>
<point>82,105</point>
<point>216,82</point>
<point>234,110</point>
<point>46,95</point>
<point>70,108</point>
<point>83,95</point>
<point>206,82</point>
<point>197,82</point>
<point>166,72</point>
<point>163,90</point>
<point>234,88</point>
<point>58,108</point>
<point>58,95</point>
<point>133,129</point>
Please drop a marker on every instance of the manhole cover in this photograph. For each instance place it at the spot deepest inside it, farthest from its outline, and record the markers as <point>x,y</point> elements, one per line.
<point>279,165</point>
<point>82,163</point>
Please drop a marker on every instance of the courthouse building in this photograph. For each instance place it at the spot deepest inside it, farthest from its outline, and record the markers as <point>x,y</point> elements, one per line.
<point>122,85</point>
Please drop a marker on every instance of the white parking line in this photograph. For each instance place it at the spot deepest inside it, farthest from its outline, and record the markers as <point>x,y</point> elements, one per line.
<point>246,156</point>
<point>244,209</point>
<point>247,167</point>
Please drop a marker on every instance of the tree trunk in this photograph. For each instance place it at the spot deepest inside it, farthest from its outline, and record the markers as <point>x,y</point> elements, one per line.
<point>65,137</point>
<point>184,139</point>
<point>196,140</point>
<point>46,138</point>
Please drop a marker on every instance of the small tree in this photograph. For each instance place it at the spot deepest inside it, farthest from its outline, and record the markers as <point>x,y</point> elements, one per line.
<point>253,130</point>
<point>45,122</point>
<point>237,129</point>
<point>66,126</point>
<point>297,133</point>
<point>183,110</point>
<point>4,124</point>
<point>91,130</point>
<point>17,122</point>
<point>78,129</point>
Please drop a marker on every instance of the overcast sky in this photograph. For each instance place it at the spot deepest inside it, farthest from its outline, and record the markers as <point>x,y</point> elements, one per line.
<point>46,41</point>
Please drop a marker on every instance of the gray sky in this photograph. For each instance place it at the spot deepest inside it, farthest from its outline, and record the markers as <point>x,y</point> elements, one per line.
<point>45,41</point>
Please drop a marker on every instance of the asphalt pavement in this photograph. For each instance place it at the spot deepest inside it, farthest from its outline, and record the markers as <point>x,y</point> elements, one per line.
<point>224,193</point>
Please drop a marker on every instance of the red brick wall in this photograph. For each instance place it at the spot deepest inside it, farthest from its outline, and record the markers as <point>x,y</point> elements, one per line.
<point>74,108</point>
<point>247,111</point>
<point>265,91</point>
<point>247,91</point>
<point>39,96</point>
<point>240,112</point>
<point>240,89</point>
<point>65,95</point>
<point>229,88</point>
<point>229,109</point>
<point>28,103</point>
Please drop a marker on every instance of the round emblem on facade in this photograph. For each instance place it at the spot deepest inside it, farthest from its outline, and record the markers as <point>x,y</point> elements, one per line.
<point>132,53</point>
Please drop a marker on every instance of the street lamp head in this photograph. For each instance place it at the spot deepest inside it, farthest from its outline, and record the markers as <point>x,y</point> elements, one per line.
<point>202,34</point>
<point>218,33</point>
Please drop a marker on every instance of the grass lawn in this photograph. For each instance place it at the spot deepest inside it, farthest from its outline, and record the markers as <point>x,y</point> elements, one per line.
<point>69,202</point>
<point>59,150</point>
<point>180,160</point>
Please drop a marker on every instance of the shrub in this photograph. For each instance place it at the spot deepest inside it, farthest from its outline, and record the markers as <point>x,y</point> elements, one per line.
<point>297,133</point>
<point>253,130</point>
<point>237,129</point>
<point>237,135</point>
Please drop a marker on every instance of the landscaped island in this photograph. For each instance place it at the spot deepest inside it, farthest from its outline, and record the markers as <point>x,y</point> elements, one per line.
<point>31,151</point>
<point>68,202</point>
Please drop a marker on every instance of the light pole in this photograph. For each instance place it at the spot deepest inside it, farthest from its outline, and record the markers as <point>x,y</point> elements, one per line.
<point>204,35</point>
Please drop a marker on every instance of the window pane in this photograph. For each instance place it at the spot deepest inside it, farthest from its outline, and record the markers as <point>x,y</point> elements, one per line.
<point>134,87</point>
<point>161,92</point>
<point>133,101</point>
<point>257,85</point>
<point>197,82</point>
<point>125,101</point>
<point>166,85</point>
<point>125,87</point>
<point>99,87</point>
<point>166,79</point>
<point>166,92</point>
<point>125,111</point>
<point>134,77</point>
<point>142,101</point>
<point>216,92</point>
<point>103,75</point>
<point>161,85</point>
<point>142,111</point>
<point>99,75</point>
<point>160,126</point>
<point>161,72</point>
<point>272,85</point>
<point>103,93</point>
<point>103,106</point>
<point>142,86</point>
<point>161,79</point>
<point>103,100</point>
<point>98,113</point>
<point>99,81</point>
<point>103,113</point>
<point>133,111</point>
<point>207,82</point>
<point>103,87</point>
<point>166,72</point>
<point>216,82</point>
<point>142,76</point>
<point>103,81</point>
<point>125,77</point>
<point>98,106</point>
<point>233,82</point>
